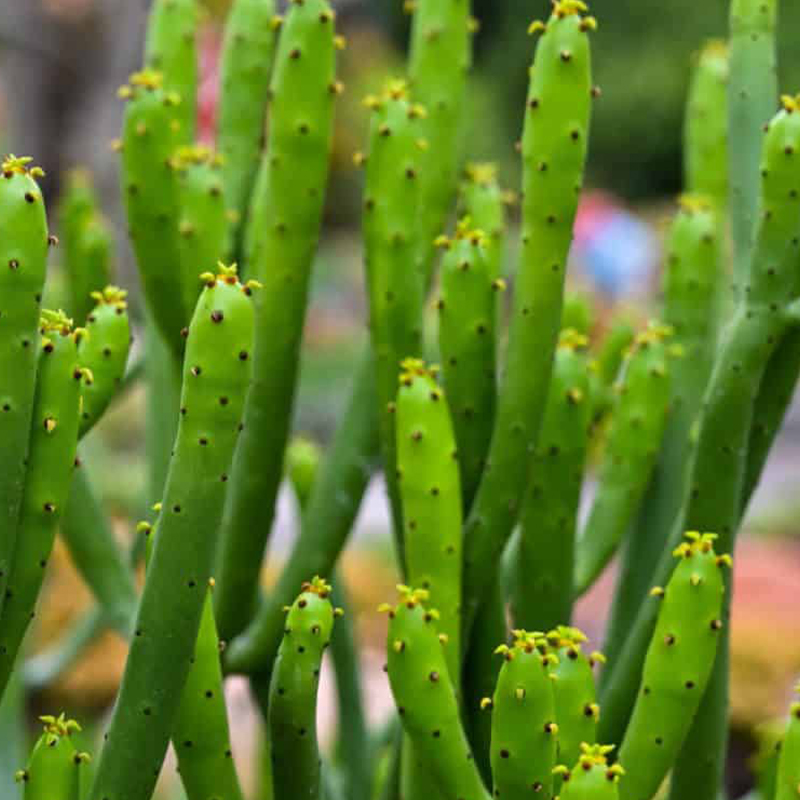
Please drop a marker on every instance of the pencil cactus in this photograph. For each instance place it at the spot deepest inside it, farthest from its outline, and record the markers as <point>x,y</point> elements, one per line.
<point>426,697</point>
<point>50,462</point>
<point>279,246</point>
<point>104,352</point>
<point>293,692</point>
<point>23,254</point>
<point>485,472</point>
<point>217,369</point>
<point>592,778</point>
<point>54,766</point>
<point>524,727</point>
<point>554,146</point>
<point>677,668</point>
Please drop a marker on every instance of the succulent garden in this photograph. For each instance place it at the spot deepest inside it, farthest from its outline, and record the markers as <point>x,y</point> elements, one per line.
<point>481,396</point>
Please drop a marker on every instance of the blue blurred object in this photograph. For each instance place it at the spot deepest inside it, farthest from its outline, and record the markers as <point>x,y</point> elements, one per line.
<point>615,250</point>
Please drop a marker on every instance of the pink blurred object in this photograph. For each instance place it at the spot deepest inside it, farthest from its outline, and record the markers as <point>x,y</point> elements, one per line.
<point>210,39</point>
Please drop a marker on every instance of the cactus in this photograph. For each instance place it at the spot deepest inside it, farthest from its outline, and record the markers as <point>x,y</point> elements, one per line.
<point>634,441</point>
<point>86,243</point>
<point>592,778</point>
<point>327,521</point>
<point>439,61</point>
<point>706,127</point>
<point>200,732</point>
<point>681,444</point>
<point>50,461</point>
<point>691,284</point>
<point>483,202</point>
<point>245,69</point>
<point>553,144</point>
<point>391,243</point>
<point>788,777</point>
<point>430,488</point>
<point>149,140</point>
<point>543,592</point>
<point>426,699</point>
<point>171,49</point>
<point>293,692</point>
<point>577,711</point>
<point>280,242</point>
<point>716,480</point>
<point>96,554</point>
<point>23,255</point>
<point>468,344</point>
<point>752,94</point>
<point>202,224</point>
<point>677,668</point>
<point>217,370</point>
<point>524,728</point>
<point>54,766</point>
<point>104,351</point>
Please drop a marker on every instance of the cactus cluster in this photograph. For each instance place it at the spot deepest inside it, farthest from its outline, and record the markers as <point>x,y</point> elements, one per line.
<point>485,457</point>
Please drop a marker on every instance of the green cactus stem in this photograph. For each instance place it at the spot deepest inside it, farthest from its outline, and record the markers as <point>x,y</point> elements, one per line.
<point>293,693</point>
<point>327,521</point>
<point>86,243</point>
<point>577,711</point>
<point>87,532</point>
<point>484,202</point>
<point>717,478</point>
<point>391,243</point>
<point>149,140</point>
<point>706,127</point>
<point>677,667</point>
<point>578,313</point>
<point>280,242</point>
<point>426,697</point>
<point>303,460</point>
<point>245,67</point>
<point>543,594</point>
<point>23,262</point>
<point>161,415</point>
<point>171,49</point>
<point>788,779</point>
<point>50,462</point>
<point>54,766</point>
<point>13,737</point>
<point>591,778</point>
<point>752,94</point>
<point>439,61</point>
<point>553,152</point>
<point>217,371</point>
<point>610,357</point>
<point>524,728</point>
<point>353,736</point>
<point>690,287</point>
<point>637,430</point>
<point>430,489</point>
<point>203,223</point>
<point>104,351</point>
<point>468,344</point>
<point>480,669</point>
<point>200,734</point>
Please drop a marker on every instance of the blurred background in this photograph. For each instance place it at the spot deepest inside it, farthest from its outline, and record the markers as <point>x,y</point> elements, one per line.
<point>61,62</point>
